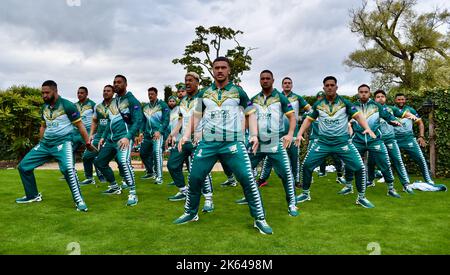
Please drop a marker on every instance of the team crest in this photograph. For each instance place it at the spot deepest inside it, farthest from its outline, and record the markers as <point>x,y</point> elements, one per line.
<point>233,149</point>
<point>345,148</point>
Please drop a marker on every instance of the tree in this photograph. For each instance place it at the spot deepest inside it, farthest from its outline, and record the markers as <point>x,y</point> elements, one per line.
<point>167,93</point>
<point>20,119</point>
<point>401,47</point>
<point>208,45</point>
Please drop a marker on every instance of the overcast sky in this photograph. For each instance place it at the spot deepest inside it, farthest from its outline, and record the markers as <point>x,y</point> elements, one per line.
<point>87,44</point>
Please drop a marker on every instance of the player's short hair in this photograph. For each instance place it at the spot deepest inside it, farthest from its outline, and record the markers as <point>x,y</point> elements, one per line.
<point>400,94</point>
<point>109,86</point>
<point>84,88</point>
<point>364,86</point>
<point>329,78</point>
<point>266,72</point>
<point>286,78</point>
<point>153,89</point>
<point>222,58</point>
<point>379,92</point>
<point>50,83</point>
<point>121,76</point>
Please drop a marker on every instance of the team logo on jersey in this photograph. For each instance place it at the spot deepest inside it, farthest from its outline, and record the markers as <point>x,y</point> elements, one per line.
<point>345,148</point>
<point>411,145</point>
<point>37,147</point>
<point>377,147</point>
<point>390,146</point>
<point>60,147</point>
<point>233,149</point>
<point>317,149</point>
<point>199,154</point>
<point>274,149</point>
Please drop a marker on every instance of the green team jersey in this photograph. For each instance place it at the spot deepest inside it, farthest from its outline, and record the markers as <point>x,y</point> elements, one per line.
<point>174,116</point>
<point>298,103</point>
<point>406,130</point>
<point>156,118</point>
<point>86,111</point>
<point>124,118</point>
<point>187,108</point>
<point>373,112</point>
<point>387,130</point>
<point>222,112</point>
<point>101,115</point>
<point>270,112</point>
<point>59,121</point>
<point>333,119</point>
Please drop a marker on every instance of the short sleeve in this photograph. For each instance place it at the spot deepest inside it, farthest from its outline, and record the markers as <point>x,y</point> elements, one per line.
<point>350,108</point>
<point>303,104</point>
<point>313,114</point>
<point>246,103</point>
<point>199,107</point>
<point>72,112</point>
<point>286,105</point>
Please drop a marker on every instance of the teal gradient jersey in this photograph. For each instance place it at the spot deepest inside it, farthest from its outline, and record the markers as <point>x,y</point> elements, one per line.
<point>156,117</point>
<point>333,119</point>
<point>128,107</point>
<point>86,111</point>
<point>373,112</point>
<point>406,130</point>
<point>387,130</point>
<point>174,116</point>
<point>59,121</point>
<point>187,108</point>
<point>101,115</point>
<point>270,112</point>
<point>222,112</point>
<point>298,104</point>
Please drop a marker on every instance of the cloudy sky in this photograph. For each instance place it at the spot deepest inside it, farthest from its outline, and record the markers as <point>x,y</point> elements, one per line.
<point>87,42</point>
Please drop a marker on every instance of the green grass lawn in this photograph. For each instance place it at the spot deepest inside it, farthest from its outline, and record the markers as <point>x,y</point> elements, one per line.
<point>329,224</point>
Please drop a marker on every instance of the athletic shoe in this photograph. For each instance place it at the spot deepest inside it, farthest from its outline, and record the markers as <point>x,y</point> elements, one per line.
<point>180,196</point>
<point>299,185</point>
<point>159,181</point>
<point>346,190</point>
<point>364,203</point>
<point>124,185</point>
<point>381,180</point>
<point>208,207</point>
<point>293,211</point>
<point>25,200</point>
<point>263,227</point>
<point>185,218</point>
<point>261,183</point>
<point>393,193</point>
<point>229,183</point>
<point>370,184</point>
<point>321,174</point>
<point>408,189</point>
<point>132,200</point>
<point>87,182</point>
<point>242,201</point>
<point>113,191</point>
<point>341,180</point>
<point>303,197</point>
<point>148,176</point>
<point>82,207</point>
<point>378,174</point>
